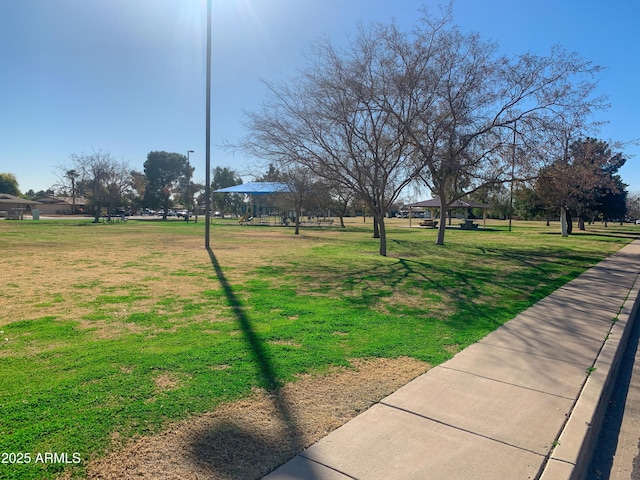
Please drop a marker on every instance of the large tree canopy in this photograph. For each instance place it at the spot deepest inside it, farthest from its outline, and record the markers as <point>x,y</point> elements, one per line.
<point>584,182</point>
<point>9,184</point>
<point>435,104</point>
<point>167,175</point>
<point>224,177</point>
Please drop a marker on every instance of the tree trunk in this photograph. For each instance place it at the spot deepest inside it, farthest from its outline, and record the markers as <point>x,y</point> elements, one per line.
<point>581,223</point>
<point>569,223</point>
<point>382,235</point>
<point>563,222</point>
<point>298,213</point>
<point>441,228</point>
<point>444,213</point>
<point>376,227</point>
<point>342,213</point>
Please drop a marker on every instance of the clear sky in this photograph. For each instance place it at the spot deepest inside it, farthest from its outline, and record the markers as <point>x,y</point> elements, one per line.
<point>128,76</point>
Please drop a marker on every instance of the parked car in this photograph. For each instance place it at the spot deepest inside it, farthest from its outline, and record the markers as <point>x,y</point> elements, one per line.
<point>170,213</point>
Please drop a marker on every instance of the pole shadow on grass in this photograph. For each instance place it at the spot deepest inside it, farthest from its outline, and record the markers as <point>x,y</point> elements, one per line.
<point>231,450</point>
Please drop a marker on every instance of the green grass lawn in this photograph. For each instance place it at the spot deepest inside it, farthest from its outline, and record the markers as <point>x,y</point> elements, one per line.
<point>109,331</point>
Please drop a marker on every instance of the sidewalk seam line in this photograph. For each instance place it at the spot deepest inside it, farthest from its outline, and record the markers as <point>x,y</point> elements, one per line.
<point>395,407</point>
<point>529,353</point>
<point>508,383</point>
<point>301,454</point>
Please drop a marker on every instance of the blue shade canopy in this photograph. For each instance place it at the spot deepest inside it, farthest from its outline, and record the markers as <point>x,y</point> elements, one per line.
<point>256,188</point>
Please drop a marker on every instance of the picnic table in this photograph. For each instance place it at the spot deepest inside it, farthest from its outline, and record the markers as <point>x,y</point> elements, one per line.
<point>468,225</point>
<point>429,223</point>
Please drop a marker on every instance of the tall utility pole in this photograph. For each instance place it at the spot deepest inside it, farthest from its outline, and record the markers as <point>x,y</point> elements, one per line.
<point>513,166</point>
<point>207,185</point>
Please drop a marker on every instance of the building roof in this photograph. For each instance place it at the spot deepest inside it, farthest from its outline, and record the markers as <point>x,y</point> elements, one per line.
<point>63,200</point>
<point>256,188</point>
<point>5,198</point>
<point>436,203</point>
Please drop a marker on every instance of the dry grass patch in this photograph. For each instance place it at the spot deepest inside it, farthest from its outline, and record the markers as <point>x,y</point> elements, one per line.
<point>167,381</point>
<point>246,439</point>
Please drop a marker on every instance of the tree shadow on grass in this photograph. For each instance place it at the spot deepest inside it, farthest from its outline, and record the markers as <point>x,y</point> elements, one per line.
<point>233,450</point>
<point>590,233</point>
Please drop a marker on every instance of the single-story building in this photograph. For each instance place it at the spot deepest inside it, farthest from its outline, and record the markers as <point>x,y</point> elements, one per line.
<point>14,208</point>
<point>54,205</point>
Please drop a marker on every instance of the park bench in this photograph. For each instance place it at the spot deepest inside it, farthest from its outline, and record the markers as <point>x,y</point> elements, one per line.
<point>326,221</point>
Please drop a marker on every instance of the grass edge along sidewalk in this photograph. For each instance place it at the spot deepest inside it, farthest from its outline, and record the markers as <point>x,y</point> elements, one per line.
<point>499,408</point>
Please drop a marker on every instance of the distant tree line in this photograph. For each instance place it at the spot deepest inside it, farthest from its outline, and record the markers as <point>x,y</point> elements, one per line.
<point>434,107</point>
<point>583,184</point>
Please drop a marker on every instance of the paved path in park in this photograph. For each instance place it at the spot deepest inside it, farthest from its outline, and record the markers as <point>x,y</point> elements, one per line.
<point>525,402</point>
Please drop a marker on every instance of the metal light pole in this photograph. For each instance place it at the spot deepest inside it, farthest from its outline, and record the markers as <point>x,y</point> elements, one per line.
<point>189,187</point>
<point>207,186</point>
<point>513,166</point>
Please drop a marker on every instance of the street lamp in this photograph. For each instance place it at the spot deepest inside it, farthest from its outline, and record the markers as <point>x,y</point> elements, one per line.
<point>513,166</point>
<point>207,185</point>
<point>188,198</point>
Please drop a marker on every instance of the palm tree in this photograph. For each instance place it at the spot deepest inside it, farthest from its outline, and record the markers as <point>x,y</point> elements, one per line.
<point>72,175</point>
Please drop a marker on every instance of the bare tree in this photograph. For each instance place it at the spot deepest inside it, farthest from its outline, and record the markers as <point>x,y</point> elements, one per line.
<point>633,205</point>
<point>465,106</point>
<point>436,104</point>
<point>301,185</point>
<point>330,121</point>
<point>100,178</point>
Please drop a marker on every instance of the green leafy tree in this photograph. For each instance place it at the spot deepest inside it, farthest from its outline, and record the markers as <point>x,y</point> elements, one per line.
<point>273,174</point>
<point>583,183</point>
<point>612,204</point>
<point>9,184</point>
<point>33,195</point>
<point>527,204</point>
<point>224,177</point>
<point>167,176</point>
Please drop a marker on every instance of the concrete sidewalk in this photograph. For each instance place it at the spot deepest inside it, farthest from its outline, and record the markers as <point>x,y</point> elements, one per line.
<point>525,402</point>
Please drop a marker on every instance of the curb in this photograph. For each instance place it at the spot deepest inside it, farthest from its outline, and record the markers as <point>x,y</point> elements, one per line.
<point>571,457</point>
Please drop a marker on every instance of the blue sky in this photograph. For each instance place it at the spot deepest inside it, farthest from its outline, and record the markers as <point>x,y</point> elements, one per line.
<point>128,76</point>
